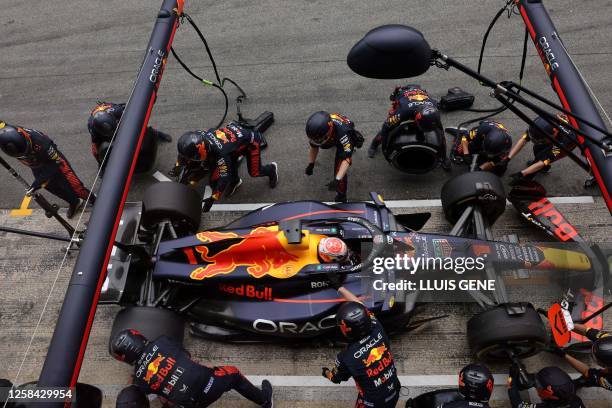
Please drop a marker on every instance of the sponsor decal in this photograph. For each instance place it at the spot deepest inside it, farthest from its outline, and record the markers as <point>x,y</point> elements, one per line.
<point>269,326</point>
<point>263,251</point>
<point>544,208</point>
<point>369,343</point>
<point>441,247</point>
<point>153,368</point>
<point>375,354</point>
<point>386,376</point>
<point>248,291</point>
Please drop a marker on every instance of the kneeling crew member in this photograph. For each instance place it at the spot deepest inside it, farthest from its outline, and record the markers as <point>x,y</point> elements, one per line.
<point>476,387</point>
<point>219,151</point>
<point>555,389</point>
<point>162,367</point>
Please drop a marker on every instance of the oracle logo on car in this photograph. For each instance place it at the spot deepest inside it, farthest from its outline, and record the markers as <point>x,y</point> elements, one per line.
<point>157,65</point>
<point>269,326</point>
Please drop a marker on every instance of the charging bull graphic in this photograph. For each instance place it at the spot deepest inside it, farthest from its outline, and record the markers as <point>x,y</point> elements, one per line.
<point>375,354</point>
<point>263,251</point>
<point>153,368</point>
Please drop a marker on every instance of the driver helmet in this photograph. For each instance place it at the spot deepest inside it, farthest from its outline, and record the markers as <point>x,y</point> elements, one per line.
<point>476,382</point>
<point>14,141</point>
<point>319,128</point>
<point>554,384</point>
<point>602,351</point>
<point>496,142</point>
<point>104,124</point>
<point>192,146</point>
<point>428,119</point>
<point>354,320</point>
<point>132,397</point>
<point>128,346</point>
<point>332,249</point>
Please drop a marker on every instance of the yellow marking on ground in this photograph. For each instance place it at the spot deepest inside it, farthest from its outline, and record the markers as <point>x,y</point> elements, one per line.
<point>23,210</point>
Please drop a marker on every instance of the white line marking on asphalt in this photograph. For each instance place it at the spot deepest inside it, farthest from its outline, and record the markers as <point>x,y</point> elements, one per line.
<point>400,203</point>
<point>406,380</point>
<point>160,176</point>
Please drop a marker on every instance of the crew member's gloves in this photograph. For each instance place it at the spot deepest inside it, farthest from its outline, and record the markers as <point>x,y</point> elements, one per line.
<point>327,373</point>
<point>558,351</point>
<point>517,178</point>
<point>207,204</point>
<point>335,280</point>
<point>333,185</point>
<point>309,169</point>
<point>468,158</point>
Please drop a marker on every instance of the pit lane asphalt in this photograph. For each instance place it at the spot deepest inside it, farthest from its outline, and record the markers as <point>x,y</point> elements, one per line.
<point>28,268</point>
<point>57,60</point>
<point>290,58</point>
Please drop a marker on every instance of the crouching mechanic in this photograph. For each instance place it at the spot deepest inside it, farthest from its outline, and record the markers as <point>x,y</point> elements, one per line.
<point>50,168</point>
<point>368,357</point>
<point>162,367</point>
<point>410,103</point>
<point>545,152</point>
<point>475,385</point>
<point>602,353</point>
<point>103,122</point>
<point>219,151</point>
<point>490,140</point>
<point>554,386</point>
<point>324,131</point>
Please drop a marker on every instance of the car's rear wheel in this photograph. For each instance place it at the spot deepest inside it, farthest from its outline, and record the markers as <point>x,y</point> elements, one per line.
<point>152,322</point>
<point>174,202</point>
<point>494,332</point>
<point>479,188</point>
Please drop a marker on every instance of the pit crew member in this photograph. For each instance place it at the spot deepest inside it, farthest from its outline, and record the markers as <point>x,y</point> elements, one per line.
<point>490,140</point>
<point>220,150</point>
<point>162,367</point>
<point>555,389</point>
<point>475,385</point>
<point>368,357</point>
<point>50,168</point>
<point>410,103</point>
<point>103,122</point>
<point>544,151</point>
<point>602,353</point>
<point>324,131</point>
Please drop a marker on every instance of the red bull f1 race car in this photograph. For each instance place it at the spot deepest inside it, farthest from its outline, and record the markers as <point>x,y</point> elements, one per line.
<point>259,278</point>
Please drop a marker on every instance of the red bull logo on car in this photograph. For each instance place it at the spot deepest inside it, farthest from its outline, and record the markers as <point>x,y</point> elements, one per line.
<point>264,251</point>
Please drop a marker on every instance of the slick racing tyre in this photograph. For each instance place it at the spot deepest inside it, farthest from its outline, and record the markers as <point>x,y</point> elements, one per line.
<point>152,322</point>
<point>479,188</point>
<point>174,202</point>
<point>494,332</point>
<point>413,153</point>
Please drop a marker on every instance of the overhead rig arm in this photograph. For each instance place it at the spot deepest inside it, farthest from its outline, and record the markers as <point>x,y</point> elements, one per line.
<point>65,354</point>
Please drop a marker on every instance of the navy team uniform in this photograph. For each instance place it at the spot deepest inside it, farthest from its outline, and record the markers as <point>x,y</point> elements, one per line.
<point>370,363</point>
<point>596,377</point>
<point>50,168</point>
<point>343,139</point>
<point>408,102</point>
<point>166,369</point>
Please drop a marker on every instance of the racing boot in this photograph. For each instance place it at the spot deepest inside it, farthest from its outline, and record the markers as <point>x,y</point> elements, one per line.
<point>73,208</point>
<point>234,187</point>
<point>273,178</point>
<point>266,387</point>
